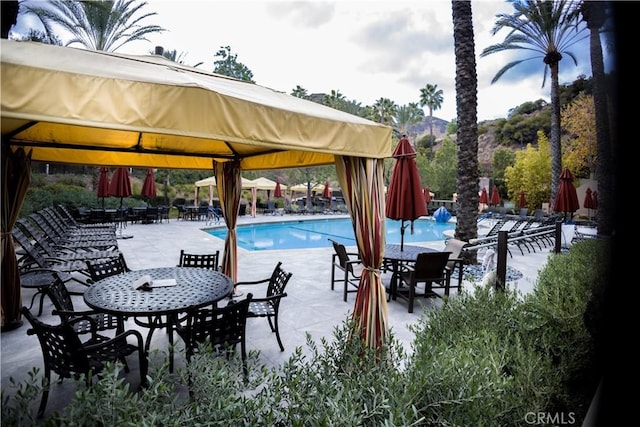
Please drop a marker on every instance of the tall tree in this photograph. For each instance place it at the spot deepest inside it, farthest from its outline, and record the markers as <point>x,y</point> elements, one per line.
<point>547,28</point>
<point>96,25</point>
<point>407,115</point>
<point>9,15</point>
<point>594,13</point>
<point>300,92</point>
<point>385,110</point>
<point>431,96</point>
<point>228,65</point>
<point>334,100</point>
<point>467,116</point>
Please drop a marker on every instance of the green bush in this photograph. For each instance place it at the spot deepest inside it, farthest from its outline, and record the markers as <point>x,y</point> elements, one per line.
<point>485,358</point>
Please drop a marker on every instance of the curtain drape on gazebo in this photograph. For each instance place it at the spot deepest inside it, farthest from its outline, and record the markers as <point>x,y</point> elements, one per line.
<point>363,189</point>
<point>229,184</point>
<point>16,175</point>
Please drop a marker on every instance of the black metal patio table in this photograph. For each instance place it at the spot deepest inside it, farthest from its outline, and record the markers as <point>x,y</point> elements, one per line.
<point>159,307</point>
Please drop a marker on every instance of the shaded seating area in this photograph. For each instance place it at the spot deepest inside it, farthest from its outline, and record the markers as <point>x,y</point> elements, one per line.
<point>269,306</point>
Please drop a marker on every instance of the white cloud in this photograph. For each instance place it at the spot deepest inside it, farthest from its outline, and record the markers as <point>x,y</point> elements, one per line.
<point>364,49</point>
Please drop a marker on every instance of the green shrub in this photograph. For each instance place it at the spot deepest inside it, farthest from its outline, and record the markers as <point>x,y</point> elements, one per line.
<point>472,365</point>
<point>485,358</point>
<point>556,313</point>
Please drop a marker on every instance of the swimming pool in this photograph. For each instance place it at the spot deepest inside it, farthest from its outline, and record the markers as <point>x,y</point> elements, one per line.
<point>306,234</point>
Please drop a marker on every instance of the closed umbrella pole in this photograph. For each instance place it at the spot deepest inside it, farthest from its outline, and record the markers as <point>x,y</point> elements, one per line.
<point>405,189</point>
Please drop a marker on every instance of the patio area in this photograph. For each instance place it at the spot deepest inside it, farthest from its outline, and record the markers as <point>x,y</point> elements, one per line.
<point>310,307</point>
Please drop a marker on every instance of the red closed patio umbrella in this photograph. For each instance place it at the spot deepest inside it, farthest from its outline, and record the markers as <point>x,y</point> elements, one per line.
<point>120,184</point>
<point>149,186</point>
<point>567,197</point>
<point>103,184</point>
<point>427,195</point>
<point>495,196</point>
<point>405,200</point>
<point>484,196</point>
<point>522,201</point>
<point>588,202</point>
<point>277,192</point>
<point>326,192</point>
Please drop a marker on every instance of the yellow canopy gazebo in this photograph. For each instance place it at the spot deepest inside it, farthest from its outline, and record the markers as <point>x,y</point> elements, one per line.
<point>75,106</point>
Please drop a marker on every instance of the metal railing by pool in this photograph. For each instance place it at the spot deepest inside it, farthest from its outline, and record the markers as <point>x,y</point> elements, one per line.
<point>313,233</point>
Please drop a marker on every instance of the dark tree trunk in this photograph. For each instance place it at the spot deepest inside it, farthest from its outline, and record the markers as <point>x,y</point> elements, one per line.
<point>467,134</point>
<point>9,14</point>
<point>556,148</point>
<point>594,15</point>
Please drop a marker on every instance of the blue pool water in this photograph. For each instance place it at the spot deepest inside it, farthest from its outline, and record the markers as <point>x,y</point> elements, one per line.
<point>307,234</point>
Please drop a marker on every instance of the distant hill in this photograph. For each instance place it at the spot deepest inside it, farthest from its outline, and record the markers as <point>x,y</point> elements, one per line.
<point>422,129</point>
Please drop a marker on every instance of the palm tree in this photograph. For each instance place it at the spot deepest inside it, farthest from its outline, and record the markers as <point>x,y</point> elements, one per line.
<point>594,13</point>
<point>407,115</point>
<point>547,28</point>
<point>467,118</point>
<point>385,110</point>
<point>96,25</point>
<point>431,96</point>
<point>300,92</point>
<point>334,100</point>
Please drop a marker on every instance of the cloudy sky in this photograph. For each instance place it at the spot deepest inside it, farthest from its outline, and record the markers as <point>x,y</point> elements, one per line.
<point>366,50</point>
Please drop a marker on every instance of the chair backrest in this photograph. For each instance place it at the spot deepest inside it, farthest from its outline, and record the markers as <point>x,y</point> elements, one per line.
<point>219,326</point>
<point>101,269</point>
<point>31,250</point>
<point>59,295</point>
<point>343,256</point>
<point>454,246</point>
<point>431,265</point>
<point>61,346</point>
<point>210,261</point>
<point>278,281</point>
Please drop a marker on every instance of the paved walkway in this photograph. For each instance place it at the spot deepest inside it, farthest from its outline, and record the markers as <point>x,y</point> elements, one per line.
<point>311,307</point>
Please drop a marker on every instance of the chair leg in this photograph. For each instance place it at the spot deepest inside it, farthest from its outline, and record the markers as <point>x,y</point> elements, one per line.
<point>277,331</point>
<point>412,294</point>
<point>45,392</point>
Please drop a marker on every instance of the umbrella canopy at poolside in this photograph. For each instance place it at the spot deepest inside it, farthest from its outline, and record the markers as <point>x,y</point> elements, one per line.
<point>567,197</point>
<point>405,188</point>
<point>277,192</point>
<point>522,200</point>
<point>588,201</point>
<point>484,196</point>
<point>326,191</point>
<point>103,184</point>
<point>427,195</point>
<point>120,184</point>
<point>149,185</point>
<point>495,196</point>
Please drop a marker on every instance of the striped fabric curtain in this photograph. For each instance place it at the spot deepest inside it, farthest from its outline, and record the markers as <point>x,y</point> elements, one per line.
<point>229,184</point>
<point>363,189</point>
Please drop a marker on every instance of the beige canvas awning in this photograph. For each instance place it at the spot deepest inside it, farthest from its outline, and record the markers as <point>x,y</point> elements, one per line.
<point>86,107</point>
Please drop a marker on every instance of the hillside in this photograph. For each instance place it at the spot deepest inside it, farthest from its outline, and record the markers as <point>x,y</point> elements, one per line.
<point>487,142</point>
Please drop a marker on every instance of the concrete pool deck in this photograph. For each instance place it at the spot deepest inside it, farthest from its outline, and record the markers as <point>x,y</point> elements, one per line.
<point>311,307</point>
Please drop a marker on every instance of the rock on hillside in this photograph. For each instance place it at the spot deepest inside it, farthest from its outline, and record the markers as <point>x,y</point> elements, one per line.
<point>487,144</point>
